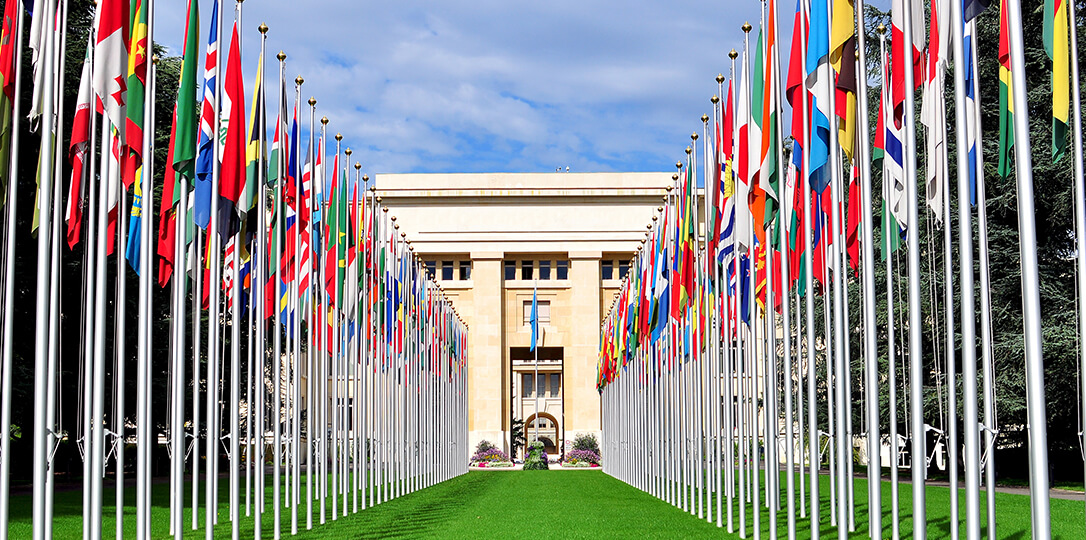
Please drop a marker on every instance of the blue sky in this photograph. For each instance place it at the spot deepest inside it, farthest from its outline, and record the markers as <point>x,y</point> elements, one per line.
<point>498,86</point>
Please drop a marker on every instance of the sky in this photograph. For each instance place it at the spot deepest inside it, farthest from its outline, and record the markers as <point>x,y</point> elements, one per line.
<point>496,86</point>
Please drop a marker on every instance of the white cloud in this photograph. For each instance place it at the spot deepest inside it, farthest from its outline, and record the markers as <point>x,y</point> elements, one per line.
<point>496,85</point>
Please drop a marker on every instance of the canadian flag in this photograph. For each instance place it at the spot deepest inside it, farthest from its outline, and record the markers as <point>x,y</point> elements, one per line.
<point>111,59</point>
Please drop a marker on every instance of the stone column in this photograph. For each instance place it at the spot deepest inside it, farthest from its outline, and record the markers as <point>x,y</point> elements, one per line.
<point>485,361</point>
<point>582,411</point>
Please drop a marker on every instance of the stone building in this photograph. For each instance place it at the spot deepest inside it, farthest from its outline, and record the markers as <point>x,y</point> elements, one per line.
<point>491,239</point>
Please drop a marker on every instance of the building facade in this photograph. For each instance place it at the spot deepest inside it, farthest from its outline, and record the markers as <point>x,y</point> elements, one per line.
<point>491,240</point>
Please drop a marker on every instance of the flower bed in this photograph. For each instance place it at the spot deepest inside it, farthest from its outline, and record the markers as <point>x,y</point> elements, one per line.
<point>494,464</point>
<point>581,458</point>
<point>490,455</point>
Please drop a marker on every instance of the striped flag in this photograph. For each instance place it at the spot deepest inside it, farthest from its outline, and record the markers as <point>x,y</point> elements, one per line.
<point>77,149</point>
<point>1056,46</point>
<point>206,159</point>
<point>1006,103</point>
<point>933,109</point>
<point>137,81</point>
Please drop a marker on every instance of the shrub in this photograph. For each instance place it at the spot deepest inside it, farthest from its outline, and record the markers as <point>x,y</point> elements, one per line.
<point>483,446</point>
<point>587,441</point>
<point>489,455</point>
<point>576,457</point>
<point>537,458</point>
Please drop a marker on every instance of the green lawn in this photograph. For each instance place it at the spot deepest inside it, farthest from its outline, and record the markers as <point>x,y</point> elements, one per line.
<point>551,504</point>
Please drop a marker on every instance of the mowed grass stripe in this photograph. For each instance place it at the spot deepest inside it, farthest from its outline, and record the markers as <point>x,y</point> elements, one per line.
<point>554,504</point>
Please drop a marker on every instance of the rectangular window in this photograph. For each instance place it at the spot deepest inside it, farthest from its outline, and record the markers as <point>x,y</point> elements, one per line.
<point>541,385</point>
<point>446,270</point>
<point>510,270</point>
<point>525,269</point>
<point>623,269</point>
<point>544,269</point>
<point>465,270</point>
<point>431,267</point>
<point>607,270</point>
<point>561,270</point>
<point>527,385</point>
<point>556,384</point>
<point>544,308</point>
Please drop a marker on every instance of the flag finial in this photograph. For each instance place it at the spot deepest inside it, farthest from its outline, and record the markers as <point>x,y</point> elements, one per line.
<point>282,56</point>
<point>263,28</point>
<point>733,55</point>
<point>299,80</point>
<point>705,117</point>
<point>747,28</point>
<point>715,99</point>
<point>720,78</point>
<point>312,102</point>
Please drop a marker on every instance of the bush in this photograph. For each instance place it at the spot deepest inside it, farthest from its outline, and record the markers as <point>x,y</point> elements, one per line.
<point>578,457</point>
<point>483,446</point>
<point>491,455</point>
<point>537,458</point>
<point>587,441</point>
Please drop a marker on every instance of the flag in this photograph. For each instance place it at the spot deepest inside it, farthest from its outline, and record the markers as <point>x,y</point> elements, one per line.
<point>852,224</point>
<point>726,216</point>
<point>7,90</point>
<point>1006,103</point>
<point>893,174</point>
<point>768,181</point>
<point>972,107</point>
<point>818,82</point>
<point>111,60</point>
<point>77,149</point>
<point>741,159</point>
<point>535,320</point>
<point>42,31</point>
<point>845,102</point>
<point>253,150</point>
<point>206,160</point>
<point>1056,47</point>
<point>898,54</point>
<point>137,81</point>
<point>972,8</point>
<point>133,250</point>
<point>232,178</point>
<point>180,171</point>
<point>933,109</point>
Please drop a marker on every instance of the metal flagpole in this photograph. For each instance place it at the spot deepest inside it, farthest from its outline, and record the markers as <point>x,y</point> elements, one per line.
<point>871,356</point>
<point>256,293</point>
<point>311,371</point>
<point>968,309</point>
<point>812,399</point>
<point>916,351</point>
<point>214,285</point>
<point>9,287</point>
<point>296,338</point>
<point>143,376</point>
<point>990,428</point>
<point>1031,301</point>
<point>177,390</point>
<point>42,434</point>
<point>1080,212</point>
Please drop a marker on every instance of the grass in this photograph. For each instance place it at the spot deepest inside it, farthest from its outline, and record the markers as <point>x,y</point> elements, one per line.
<point>556,504</point>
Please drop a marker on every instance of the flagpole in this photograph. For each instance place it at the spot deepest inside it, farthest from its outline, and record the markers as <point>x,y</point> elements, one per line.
<point>1031,301</point>
<point>1080,212</point>
<point>987,361</point>
<point>871,361</point>
<point>214,286</point>
<point>9,286</point>
<point>42,435</point>
<point>814,463</point>
<point>256,292</point>
<point>89,322</point>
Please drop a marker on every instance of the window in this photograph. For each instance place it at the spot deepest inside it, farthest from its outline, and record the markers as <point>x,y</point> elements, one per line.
<point>510,270</point>
<point>561,269</point>
<point>607,270</point>
<point>446,270</point>
<point>527,385</point>
<point>525,269</point>
<point>541,385</point>
<point>465,270</point>
<point>544,307</point>
<point>556,384</point>
<point>544,269</point>
<point>623,269</point>
<point>431,268</point>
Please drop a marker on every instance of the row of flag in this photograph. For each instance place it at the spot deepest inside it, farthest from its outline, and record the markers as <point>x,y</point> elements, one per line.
<point>740,287</point>
<point>311,331</point>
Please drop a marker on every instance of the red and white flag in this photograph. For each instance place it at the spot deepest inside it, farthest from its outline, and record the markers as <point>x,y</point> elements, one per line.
<point>111,60</point>
<point>77,152</point>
